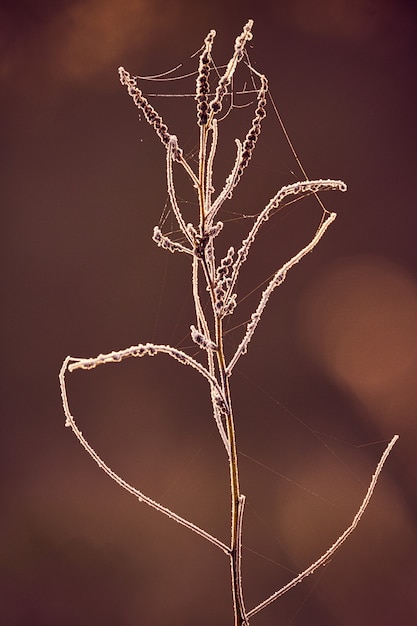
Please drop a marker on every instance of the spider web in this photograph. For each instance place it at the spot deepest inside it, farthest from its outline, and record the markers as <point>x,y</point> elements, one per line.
<point>241,97</point>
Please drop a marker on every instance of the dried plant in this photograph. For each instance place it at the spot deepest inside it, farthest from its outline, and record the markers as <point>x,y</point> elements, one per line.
<point>219,278</point>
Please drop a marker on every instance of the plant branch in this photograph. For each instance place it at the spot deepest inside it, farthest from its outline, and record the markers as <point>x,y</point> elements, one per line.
<point>277,279</point>
<point>152,349</point>
<point>70,421</point>
<point>329,553</point>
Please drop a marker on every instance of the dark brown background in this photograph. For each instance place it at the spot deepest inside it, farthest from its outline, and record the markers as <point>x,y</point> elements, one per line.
<point>333,365</point>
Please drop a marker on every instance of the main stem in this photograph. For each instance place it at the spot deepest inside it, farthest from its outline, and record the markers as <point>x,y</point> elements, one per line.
<point>238,606</point>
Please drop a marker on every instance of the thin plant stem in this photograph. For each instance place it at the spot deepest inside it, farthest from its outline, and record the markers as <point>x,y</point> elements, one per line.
<point>234,484</point>
<point>219,279</point>
<point>341,539</point>
<point>70,421</point>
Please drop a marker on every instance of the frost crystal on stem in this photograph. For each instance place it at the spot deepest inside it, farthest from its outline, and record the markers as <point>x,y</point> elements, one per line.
<point>219,279</point>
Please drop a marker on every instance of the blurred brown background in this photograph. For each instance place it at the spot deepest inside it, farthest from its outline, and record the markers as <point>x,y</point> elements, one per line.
<point>331,372</point>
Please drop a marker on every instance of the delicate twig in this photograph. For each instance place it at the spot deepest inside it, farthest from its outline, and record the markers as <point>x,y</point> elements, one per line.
<point>277,279</point>
<point>210,162</point>
<point>202,82</point>
<point>122,483</point>
<point>240,510</point>
<point>307,186</point>
<point>151,349</point>
<point>244,152</point>
<point>151,116</point>
<point>165,242</point>
<point>255,130</point>
<point>171,149</point>
<point>221,90</point>
<point>329,553</point>
<point>231,182</point>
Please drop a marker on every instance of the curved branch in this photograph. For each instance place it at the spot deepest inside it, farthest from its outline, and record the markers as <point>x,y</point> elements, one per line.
<point>307,186</point>
<point>151,349</point>
<point>70,421</point>
<point>171,148</point>
<point>228,186</point>
<point>329,553</point>
<point>277,280</point>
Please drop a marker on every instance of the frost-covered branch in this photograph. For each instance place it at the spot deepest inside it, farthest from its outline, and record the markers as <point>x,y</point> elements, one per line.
<point>224,82</point>
<point>307,186</point>
<point>277,280</point>
<point>152,349</point>
<point>70,421</point>
<point>329,553</point>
